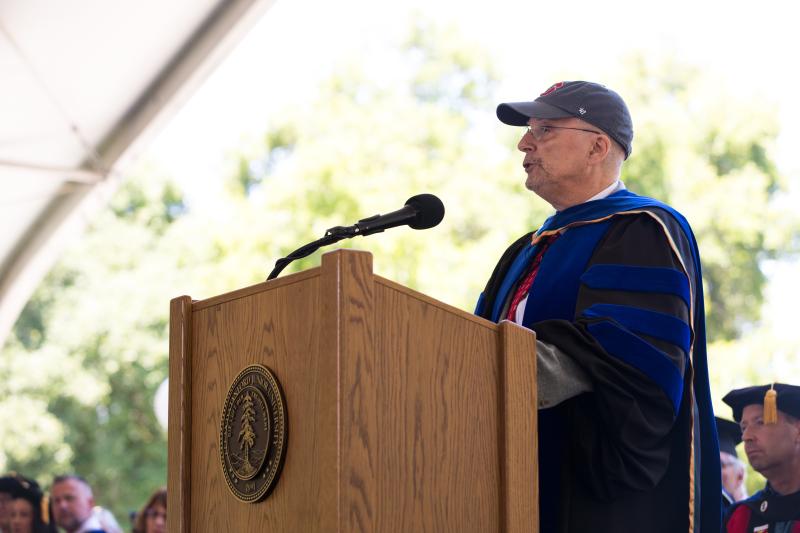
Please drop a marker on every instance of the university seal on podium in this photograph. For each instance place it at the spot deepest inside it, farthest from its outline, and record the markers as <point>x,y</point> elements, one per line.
<point>253,434</point>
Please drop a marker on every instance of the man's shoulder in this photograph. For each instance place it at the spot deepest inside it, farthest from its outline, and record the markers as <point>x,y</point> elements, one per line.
<point>620,203</point>
<point>92,525</point>
<point>767,506</point>
<point>650,207</point>
<point>652,216</point>
<point>752,500</point>
<point>655,220</point>
<point>737,516</point>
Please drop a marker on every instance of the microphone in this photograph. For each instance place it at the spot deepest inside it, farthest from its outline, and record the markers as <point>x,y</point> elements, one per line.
<point>422,211</point>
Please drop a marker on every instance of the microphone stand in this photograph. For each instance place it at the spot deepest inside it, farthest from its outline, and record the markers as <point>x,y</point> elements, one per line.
<point>420,212</point>
<point>332,235</point>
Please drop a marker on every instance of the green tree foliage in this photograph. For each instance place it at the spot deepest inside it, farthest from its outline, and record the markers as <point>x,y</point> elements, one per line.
<point>365,146</point>
<point>79,374</point>
<point>89,351</point>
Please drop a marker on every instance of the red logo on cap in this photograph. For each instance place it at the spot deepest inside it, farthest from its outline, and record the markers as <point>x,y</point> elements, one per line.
<point>552,88</point>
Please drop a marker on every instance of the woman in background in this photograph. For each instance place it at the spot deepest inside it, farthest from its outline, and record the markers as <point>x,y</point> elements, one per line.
<point>27,514</point>
<point>153,516</point>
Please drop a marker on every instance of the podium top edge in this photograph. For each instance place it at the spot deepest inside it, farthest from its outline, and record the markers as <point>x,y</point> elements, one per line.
<point>255,289</point>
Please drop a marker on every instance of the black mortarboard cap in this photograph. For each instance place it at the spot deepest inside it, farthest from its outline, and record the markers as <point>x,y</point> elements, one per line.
<point>787,398</point>
<point>730,434</point>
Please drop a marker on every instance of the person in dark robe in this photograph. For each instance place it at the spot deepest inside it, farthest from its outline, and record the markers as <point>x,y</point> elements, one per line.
<point>611,284</point>
<point>734,472</point>
<point>769,416</point>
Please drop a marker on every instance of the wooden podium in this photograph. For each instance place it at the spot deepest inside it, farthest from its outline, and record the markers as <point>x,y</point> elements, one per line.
<point>404,414</point>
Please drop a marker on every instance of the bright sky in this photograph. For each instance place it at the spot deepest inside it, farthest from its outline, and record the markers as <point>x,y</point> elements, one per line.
<point>750,46</point>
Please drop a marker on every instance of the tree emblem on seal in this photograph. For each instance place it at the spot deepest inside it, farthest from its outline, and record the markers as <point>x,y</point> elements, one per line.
<point>253,434</point>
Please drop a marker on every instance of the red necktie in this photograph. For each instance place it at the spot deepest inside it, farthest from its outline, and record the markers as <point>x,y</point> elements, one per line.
<point>525,286</point>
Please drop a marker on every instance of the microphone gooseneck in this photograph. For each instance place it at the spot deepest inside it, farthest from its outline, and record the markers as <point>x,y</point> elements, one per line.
<point>422,211</point>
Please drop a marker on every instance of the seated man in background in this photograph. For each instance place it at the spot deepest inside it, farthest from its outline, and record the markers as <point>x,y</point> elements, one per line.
<point>769,416</point>
<point>73,502</point>
<point>734,472</point>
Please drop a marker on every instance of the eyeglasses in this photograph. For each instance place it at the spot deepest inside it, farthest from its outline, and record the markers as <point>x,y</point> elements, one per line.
<point>540,131</point>
<point>154,513</point>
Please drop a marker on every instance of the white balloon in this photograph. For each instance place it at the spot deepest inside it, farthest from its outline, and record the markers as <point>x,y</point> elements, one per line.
<point>161,403</point>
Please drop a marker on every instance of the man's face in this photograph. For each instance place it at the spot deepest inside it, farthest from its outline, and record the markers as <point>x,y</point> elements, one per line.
<point>732,477</point>
<point>556,161</point>
<point>769,447</point>
<point>72,503</point>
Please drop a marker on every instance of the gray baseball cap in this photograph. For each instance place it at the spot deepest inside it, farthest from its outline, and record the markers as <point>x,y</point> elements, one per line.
<point>588,101</point>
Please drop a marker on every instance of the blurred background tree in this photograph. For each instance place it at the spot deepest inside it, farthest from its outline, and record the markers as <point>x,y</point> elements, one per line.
<point>90,349</point>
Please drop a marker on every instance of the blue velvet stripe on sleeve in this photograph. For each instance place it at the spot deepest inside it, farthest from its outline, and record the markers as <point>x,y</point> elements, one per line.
<point>646,322</point>
<point>639,279</point>
<point>642,355</point>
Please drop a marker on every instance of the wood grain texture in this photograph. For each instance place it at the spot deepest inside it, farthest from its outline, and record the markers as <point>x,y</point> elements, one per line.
<point>439,408</point>
<point>279,329</point>
<point>180,414</point>
<point>404,413</point>
<point>518,420</point>
<point>354,319</point>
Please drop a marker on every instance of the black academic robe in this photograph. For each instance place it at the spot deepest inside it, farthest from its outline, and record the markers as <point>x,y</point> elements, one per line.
<point>619,459</point>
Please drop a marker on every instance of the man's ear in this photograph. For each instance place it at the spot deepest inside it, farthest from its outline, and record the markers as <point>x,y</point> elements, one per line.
<point>600,149</point>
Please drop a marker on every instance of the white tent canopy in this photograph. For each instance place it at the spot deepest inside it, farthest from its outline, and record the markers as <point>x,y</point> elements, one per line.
<point>82,85</point>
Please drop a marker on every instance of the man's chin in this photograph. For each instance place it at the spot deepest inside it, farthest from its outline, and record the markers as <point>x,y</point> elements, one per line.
<point>756,462</point>
<point>68,525</point>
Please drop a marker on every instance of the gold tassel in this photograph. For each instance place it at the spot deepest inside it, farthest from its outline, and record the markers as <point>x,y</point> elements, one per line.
<point>45,509</point>
<point>771,406</point>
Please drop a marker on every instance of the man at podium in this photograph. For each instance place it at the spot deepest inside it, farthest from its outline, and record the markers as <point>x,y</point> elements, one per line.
<point>611,284</point>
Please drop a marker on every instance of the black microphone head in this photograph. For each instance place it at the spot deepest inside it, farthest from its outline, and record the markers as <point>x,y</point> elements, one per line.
<point>430,211</point>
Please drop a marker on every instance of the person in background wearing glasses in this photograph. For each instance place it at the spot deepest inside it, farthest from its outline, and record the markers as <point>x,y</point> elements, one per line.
<point>153,516</point>
<point>611,284</point>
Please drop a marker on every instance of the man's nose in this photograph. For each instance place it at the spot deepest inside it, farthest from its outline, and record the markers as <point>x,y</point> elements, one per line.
<point>526,143</point>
